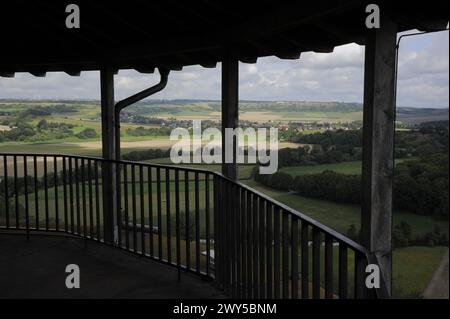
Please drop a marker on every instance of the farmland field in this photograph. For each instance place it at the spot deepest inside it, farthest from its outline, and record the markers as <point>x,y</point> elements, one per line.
<point>343,168</point>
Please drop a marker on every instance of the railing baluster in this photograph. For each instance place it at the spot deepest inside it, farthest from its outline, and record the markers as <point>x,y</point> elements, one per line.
<point>97,207</point>
<point>316,263</point>
<point>118,188</point>
<point>25,189</point>
<point>91,202</point>
<point>133,205</point>
<point>141,196</point>
<point>232,239</point>
<point>255,248</point>
<point>187,221</point>
<point>328,267</point>
<point>125,204</point>
<point>262,250</point>
<point>243,244</point>
<point>238,243</point>
<point>277,266</point>
<point>77,196</point>
<point>55,182</point>
<point>285,254</point>
<point>65,206</point>
<point>197,223</point>
<point>294,257</point>
<point>168,230</point>
<point>305,260</point>
<point>150,209</point>
<point>118,182</point>
<point>177,222</point>
<point>227,243</point>
<point>46,194</point>
<point>36,193</point>
<point>342,271</point>
<point>249,247</point>
<point>5,174</point>
<point>217,256</point>
<point>158,199</point>
<point>72,210</point>
<point>207,225</point>
<point>16,193</point>
<point>269,251</point>
<point>83,196</point>
<point>218,207</point>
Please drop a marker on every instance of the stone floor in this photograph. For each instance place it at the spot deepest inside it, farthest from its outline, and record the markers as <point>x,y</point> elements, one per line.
<point>36,269</point>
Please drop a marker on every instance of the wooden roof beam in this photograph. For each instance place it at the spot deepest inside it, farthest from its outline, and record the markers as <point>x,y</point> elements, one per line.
<point>339,32</point>
<point>7,74</point>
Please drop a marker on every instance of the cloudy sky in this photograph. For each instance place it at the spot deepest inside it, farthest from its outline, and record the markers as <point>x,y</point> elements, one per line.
<point>423,78</point>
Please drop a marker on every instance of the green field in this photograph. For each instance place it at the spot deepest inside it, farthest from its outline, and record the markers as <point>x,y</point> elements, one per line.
<point>413,268</point>
<point>343,168</point>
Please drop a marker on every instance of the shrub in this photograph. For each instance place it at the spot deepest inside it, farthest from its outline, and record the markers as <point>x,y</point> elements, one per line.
<point>87,133</point>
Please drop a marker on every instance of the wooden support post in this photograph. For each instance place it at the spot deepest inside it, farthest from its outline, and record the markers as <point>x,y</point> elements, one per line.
<point>378,144</point>
<point>108,152</point>
<point>230,112</point>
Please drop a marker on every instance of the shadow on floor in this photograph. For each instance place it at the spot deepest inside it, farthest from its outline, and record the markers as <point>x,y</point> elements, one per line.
<point>36,269</point>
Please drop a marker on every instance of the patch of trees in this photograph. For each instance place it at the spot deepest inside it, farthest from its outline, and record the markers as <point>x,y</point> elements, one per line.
<point>21,132</point>
<point>152,131</point>
<point>143,155</point>
<point>44,130</point>
<point>278,180</point>
<point>304,155</point>
<point>87,133</point>
<point>402,236</point>
<point>421,185</point>
<point>39,111</point>
<point>327,139</point>
<point>129,117</point>
<point>428,138</point>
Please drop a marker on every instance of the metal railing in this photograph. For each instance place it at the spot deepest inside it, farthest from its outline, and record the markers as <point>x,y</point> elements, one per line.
<point>196,220</point>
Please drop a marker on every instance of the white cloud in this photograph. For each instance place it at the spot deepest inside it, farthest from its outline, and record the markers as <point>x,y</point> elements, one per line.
<point>337,76</point>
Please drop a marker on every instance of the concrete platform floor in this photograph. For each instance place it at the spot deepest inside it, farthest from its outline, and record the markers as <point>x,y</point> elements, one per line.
<point>36,269</point>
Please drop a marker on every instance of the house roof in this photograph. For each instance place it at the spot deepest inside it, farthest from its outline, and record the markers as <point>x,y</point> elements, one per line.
<point>144,34</point>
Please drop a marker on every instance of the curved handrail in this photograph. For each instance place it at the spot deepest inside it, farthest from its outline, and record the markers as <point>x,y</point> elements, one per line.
<point>325,229</point>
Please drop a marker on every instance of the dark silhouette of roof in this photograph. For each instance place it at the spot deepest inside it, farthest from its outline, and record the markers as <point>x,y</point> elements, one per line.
<point>146,34</point>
